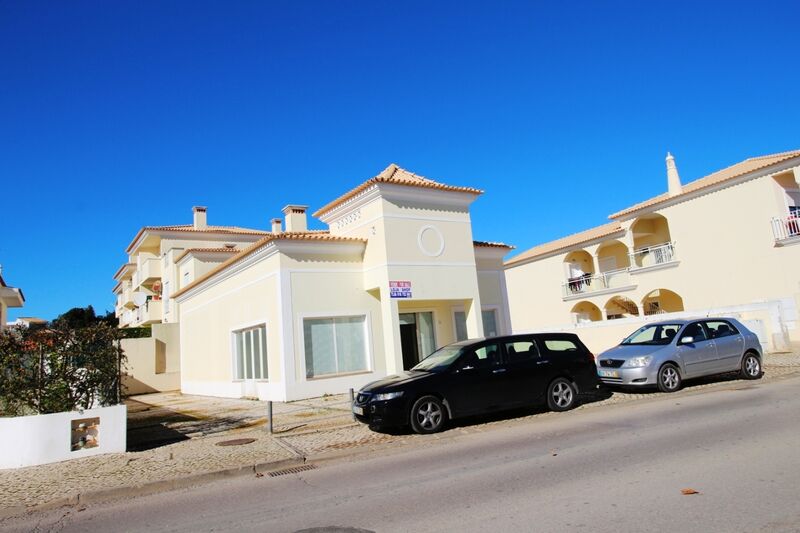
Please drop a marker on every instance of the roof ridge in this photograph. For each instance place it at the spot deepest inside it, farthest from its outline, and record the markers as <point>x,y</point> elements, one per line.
<point>779,154</point>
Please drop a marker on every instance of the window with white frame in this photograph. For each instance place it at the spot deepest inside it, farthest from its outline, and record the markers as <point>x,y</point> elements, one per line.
<point>335,345</point>
<point>250,357</point>
<point>489,318</point>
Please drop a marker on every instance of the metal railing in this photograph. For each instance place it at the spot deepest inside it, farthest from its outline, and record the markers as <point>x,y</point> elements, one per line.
<point>596,282</point>
<point>786,228</point>
<point>653,255</point>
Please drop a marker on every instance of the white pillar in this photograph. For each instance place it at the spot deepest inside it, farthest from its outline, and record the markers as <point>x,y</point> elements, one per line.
<point>390,318</point>
<point>472,310</point>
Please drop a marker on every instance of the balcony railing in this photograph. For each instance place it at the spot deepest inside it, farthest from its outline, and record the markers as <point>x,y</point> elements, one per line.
<point>593,283</point>
<point>653,255</point>
<point>149,270</point>
<point>786,228</point>
<point>149,313</point>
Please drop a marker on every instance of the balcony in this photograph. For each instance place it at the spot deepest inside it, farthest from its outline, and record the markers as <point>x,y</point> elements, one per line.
<point>786,230</point>
<point>126,296</point>
<point>148,271</point>
<point>653,257</point>
<point>149,313</point>
<point>603,283</point>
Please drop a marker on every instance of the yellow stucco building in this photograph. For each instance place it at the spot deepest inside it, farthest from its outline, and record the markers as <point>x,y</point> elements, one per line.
<point>725,243</point>
<point>297,313</point>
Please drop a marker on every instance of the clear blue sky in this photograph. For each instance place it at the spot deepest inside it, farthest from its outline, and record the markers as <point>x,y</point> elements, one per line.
<point>115,115</point>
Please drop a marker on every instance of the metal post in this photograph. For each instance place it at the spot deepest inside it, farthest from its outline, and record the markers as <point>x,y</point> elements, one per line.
<point>269,414</point>
<point>352,401</point>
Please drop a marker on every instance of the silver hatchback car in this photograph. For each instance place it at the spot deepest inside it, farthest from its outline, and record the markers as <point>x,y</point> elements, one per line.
<point>665,353</point>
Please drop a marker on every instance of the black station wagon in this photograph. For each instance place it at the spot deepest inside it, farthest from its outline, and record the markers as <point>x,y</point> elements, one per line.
<point>478,376</point>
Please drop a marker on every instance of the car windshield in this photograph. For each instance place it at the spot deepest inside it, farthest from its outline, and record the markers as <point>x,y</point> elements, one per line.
<point>653,334</point>
<point>440,359</point>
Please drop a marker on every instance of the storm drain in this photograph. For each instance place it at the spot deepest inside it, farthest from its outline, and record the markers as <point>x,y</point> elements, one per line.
<point>293,470</point>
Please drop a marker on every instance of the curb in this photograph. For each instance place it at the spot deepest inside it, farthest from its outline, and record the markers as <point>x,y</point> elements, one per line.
<point>118,493</point>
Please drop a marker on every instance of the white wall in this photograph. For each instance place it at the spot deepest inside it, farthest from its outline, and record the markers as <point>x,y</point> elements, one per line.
<point>42,439</point>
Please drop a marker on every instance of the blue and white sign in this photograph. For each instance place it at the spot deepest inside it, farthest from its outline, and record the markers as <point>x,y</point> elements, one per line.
<point>400,289</point>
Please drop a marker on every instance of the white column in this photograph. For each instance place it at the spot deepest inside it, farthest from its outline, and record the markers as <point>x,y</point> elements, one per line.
<point>390,318</point>
<point>472,310</point>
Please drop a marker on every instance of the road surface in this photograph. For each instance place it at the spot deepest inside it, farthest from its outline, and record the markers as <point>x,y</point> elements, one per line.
<point>615,468</point>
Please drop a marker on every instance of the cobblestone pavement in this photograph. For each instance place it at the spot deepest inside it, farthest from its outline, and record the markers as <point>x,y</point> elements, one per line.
<point>303,429</point>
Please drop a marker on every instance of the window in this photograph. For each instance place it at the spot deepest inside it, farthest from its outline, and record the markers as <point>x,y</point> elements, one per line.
<point>695,331</point>
<point>483,357</point>
<point>251,353</point>
<point>489,318</point>
<point>521,351</point>
<point>560,345</point>
<point>719,329</point>
<point>335,345</point>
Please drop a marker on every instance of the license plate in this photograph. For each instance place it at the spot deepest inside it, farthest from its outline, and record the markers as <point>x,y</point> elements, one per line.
<point>358,410</point>
<point>609,373</point>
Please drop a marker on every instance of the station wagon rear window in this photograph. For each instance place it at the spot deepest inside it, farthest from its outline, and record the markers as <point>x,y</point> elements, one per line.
<point>560,345</point>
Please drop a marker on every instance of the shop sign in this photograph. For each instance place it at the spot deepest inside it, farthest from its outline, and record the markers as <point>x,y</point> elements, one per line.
<point>400,289</point>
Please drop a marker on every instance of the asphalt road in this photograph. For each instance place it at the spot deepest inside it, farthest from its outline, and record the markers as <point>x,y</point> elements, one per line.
<point>615,468</point>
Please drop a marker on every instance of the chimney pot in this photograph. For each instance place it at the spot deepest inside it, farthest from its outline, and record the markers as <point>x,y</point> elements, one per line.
<point>295,216</point>
<point>200,220</point>
<point>276,225</point>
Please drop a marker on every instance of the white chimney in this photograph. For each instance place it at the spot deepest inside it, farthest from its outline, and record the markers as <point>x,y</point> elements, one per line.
<point>673,179</point>
<point>276,225</point>
<point>200,220</point>
<point>295,216</point>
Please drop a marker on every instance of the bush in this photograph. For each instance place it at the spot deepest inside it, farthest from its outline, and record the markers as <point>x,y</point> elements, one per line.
<point>60,369</point>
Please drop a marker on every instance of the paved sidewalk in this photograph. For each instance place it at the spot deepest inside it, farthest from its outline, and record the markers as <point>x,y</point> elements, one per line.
<point>177,440</point>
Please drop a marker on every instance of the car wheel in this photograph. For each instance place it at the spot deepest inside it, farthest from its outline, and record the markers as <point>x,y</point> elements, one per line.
<point>428,415</point>
<point>751,366</point>
<point>561,395</point>
<point>669,378</point>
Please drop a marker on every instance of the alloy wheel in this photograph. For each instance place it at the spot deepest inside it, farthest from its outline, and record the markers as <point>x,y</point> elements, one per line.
<point>429,415</point>
<point>752,366</point>
<point>670,377</point>
<point>562,394</point>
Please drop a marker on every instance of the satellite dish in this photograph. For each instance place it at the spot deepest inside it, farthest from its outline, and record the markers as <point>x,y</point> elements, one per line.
<point>139,298</point>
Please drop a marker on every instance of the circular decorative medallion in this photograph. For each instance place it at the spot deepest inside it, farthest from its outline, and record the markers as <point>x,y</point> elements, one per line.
<point>431,241</point>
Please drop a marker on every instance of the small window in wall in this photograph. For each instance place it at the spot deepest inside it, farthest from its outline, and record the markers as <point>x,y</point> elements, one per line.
<point>489,317</point>
<point>251,353</point>
<point>335,345</point>
<point>793,202</point>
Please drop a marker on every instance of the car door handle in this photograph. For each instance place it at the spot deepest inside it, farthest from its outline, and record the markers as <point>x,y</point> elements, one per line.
<point>498,371</point>
<point>542,362</point>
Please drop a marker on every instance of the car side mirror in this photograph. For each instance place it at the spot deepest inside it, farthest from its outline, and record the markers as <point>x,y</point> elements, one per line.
<point>687,340</point>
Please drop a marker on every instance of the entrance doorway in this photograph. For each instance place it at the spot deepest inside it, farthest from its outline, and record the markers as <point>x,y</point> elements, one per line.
<point>417,339</point>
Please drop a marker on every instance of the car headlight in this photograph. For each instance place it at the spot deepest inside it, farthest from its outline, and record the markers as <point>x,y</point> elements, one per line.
<point>638,362</point>
<point>387,396</point>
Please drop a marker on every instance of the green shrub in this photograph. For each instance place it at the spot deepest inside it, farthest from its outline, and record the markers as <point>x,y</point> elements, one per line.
<point>59,369</point>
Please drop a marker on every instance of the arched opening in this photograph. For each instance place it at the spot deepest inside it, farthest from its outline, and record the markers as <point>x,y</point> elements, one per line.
<point>620,307</point>
<point>613,260</point>
<point>652,243</point>
<point>584,312</point>
<point>578,269</point>
<point>662,301</point>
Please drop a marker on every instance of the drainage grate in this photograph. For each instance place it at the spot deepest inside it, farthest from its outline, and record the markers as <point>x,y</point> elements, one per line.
<point>293,470</point>
<point>235,442</point>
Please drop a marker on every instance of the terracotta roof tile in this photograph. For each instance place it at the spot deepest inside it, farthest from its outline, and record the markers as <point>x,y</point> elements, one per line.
<point>311,236</point>
<point>398,176</point>
<point>567,242</point>
<point>488,244</point>
<point>207,250</point>
<point>720,176</point>
<point>188,228</point>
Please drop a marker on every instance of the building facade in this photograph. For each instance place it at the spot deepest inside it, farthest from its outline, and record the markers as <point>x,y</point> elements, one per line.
<point>9,297</point>
<point>726,242</point>
<point>303,313</point>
